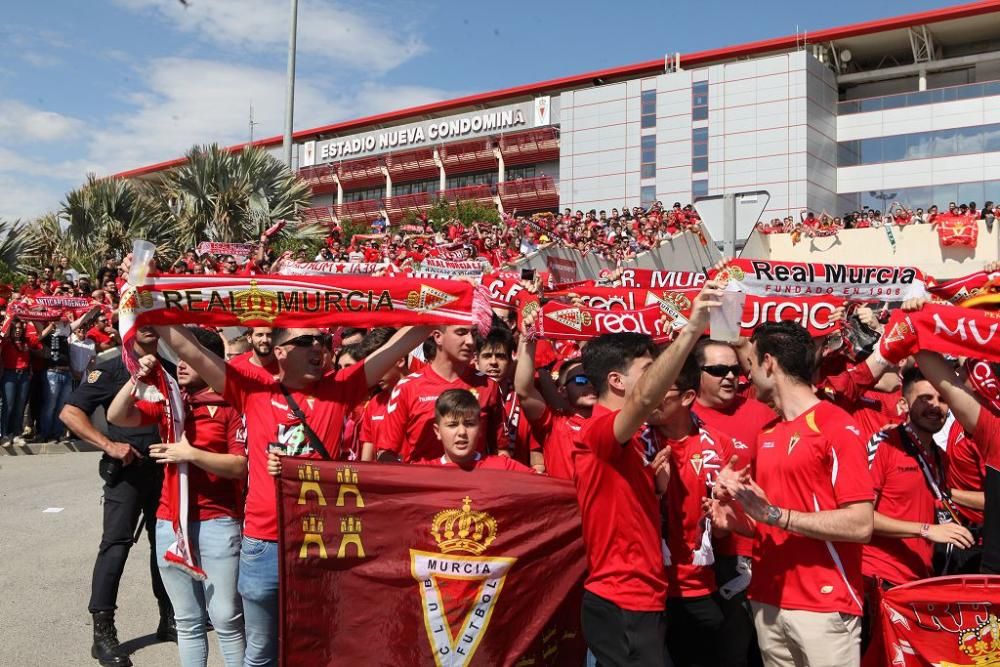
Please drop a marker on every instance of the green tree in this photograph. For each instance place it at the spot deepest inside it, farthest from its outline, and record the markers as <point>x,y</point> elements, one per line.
<point>230,197</point>
<point>466,212</point>
<point>12,243</point>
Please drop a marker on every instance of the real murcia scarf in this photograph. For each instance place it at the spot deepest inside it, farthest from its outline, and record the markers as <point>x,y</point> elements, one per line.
<point>762,277</point>
<point>960,332</point>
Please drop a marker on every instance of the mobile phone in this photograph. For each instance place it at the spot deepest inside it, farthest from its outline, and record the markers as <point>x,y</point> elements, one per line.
<point>527,274</point>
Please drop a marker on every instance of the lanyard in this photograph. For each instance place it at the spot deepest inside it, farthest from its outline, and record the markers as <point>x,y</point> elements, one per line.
<point>950,512</point>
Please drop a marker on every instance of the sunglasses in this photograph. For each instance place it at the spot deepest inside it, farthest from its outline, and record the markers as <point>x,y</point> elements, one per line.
<point>578,380</point>
<point>722,370</point>
<point>306,340</point>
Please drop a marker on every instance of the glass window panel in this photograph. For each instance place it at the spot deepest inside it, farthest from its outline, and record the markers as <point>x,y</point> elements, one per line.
<point>871,151</point>
<point>944,194</point>
<point>970,192</point>
<point>991,88</point>
<point>915,99</point>
<point>699,188</point>
<point>648,120</point>
<point>872,104</point>
<point>948,95</point>
<point>699,164</point>
<point>894,101</point>
<point>648,171</point>
<point>699,113</point>
<point>919,145</point>
<point>991,191</point>
<point>647,195</point>
<point>969,140</point>
<point>699,134</point>
<point>894,148</point>
<point>649,101</point>
<point>848,107</point>
<point>991,138</point>
<point>648,141</point>
<point>944,142</point>
<point>847,154</point>
<point>648,157</point>
<point>968,92</point>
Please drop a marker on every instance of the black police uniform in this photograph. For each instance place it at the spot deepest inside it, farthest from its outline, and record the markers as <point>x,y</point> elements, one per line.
<point>128,490</point>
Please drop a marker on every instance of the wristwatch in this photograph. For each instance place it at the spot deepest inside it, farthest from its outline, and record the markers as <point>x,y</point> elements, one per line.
<point>772,515</point>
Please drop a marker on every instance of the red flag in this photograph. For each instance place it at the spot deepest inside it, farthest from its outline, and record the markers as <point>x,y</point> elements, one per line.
<point>421,565</point>
<point>960,332</point>
<point>957,230</point>
<point>947,621</point>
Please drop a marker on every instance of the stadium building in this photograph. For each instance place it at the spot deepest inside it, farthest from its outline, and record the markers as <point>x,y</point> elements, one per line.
<point>905,108</point>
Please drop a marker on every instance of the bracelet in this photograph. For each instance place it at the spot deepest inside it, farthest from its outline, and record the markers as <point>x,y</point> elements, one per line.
<point>788,520</point>
<point>925,530</point>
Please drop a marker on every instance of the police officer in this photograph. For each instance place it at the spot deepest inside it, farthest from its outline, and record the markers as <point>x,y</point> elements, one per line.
<point>132,487</point>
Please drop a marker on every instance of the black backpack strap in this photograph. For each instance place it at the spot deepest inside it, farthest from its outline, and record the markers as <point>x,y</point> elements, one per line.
<point>314,440</point>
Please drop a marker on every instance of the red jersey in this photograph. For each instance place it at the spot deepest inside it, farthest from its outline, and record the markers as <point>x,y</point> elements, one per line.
<point>812,463</point>
<point>270,421</point>
<point>987,436</point>
<point>519,433</point>
<point>408,428</point>
<point>17,357</point>
<point>244,362</point>
<point>901,492</point>
<point>98,336</point>
<point>695,461</point>
<point>964,468</point>
<point>212,426</point>
<point>742,421</point>
<point>873,411</point>
<point>621,515</point>
<point>482,463</point>
<point>557,431</point>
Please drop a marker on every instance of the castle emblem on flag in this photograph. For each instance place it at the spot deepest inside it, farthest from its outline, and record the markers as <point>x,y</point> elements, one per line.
<point>459,586</point>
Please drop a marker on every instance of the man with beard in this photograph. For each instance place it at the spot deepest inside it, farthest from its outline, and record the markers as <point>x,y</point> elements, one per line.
<point>260,358</point>
<point>908,478</point>
<point>407,433</point>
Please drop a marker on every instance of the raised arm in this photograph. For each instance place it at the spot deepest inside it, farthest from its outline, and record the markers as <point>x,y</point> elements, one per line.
<point>402,343</point>
<point>532,403</point>
<point>960,399</point>
<point>648,393</point>
<point>210,367</point>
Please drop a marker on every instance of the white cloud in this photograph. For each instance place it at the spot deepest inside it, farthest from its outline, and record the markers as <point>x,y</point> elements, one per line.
<point>325,30</point>
<point>20,122</point>
<point>26,198</point>
<point>39,59</point>
<point>190,101</point>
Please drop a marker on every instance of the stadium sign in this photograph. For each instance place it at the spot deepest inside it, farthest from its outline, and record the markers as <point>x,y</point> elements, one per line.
<point>414,135</point>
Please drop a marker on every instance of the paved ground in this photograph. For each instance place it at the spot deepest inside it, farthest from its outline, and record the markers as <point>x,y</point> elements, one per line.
<point>46,559</point>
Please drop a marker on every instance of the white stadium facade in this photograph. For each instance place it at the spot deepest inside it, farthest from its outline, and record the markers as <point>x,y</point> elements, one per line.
<point>905,108</point>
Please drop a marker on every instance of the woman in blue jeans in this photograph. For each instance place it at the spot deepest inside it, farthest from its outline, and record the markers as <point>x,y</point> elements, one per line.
<point>217,471</point>
<point>16,347</point>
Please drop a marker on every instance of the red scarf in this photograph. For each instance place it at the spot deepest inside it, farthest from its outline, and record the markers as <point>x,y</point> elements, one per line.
<point>960,332</point>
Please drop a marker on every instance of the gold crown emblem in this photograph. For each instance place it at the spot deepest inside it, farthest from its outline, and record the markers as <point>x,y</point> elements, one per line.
<point>983,643</point>
<point>428,298</point>
<point>463,530</point>
<point>255,304</point>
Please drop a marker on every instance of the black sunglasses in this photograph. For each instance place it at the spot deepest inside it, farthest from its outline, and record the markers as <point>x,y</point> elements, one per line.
<point>722,370</point>
<point>306,340</point>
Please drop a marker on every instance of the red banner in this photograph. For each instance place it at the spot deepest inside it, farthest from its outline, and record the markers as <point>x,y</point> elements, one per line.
<point>421,565</point>
<point>947,621</point>
<point>957,230</point>
<point>957,290</point>
<point>960,332</point>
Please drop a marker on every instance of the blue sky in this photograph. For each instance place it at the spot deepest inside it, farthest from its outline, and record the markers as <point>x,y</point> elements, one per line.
<point>107,85</point>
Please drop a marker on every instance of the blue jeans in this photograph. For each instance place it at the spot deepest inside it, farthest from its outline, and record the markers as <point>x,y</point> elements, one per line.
<point>217,545</point>
<point>259,589</point>
<point>15,398</point>
<point>55,391</point>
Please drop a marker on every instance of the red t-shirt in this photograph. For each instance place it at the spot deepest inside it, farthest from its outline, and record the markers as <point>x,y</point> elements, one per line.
<point>244,362</point>
<point>556,432</point>
<point>269,420</point>
<point>482,463</point>
<point>964,468</point>
<point>373,416</point>
<point>987,436</point>
<point>901,493</point>
<point>695,462</point>
<point>18,357</point>
<point>213,426</point>
<point>812,463</point>
<point>742,421</point>
<point>518,431</point>
<point>98,336</point>
<point>408,427</point>
<point>621,515</point>
<point>872,410</point>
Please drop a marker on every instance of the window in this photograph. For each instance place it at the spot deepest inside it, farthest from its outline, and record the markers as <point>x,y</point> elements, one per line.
<point>647,195</point>
<point>648,112</point>
<point>919,145</point>
<point>467,180</point>
<point>361,195</point>
<point>699,100</point>
<point>519,173</point>
<point>933,96</point>
<point>647,166</point>
<point>699,149</point>
<point>925,196</point>
<point>699,188</point>
<point>414,188</point>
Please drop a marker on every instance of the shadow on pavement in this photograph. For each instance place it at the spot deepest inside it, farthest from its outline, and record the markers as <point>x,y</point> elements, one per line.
<point>139,643</point>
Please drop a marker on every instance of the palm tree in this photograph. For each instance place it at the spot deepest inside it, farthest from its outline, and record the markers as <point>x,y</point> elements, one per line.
<point>12,243</point>
<point>223,196</point>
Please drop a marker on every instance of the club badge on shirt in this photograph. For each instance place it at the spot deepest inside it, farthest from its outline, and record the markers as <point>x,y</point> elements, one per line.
<point>794,440</point>
<point>696,463</point>
<point>93,376</point>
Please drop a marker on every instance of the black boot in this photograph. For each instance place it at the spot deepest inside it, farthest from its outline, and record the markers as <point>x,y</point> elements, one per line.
<point>166,631</point>
<point>106,648</point>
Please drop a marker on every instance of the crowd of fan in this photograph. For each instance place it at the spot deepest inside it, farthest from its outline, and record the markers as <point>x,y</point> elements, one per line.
<point>809,224</point>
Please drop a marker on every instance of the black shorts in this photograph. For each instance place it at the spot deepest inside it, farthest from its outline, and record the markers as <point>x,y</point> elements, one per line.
<point>618,636</point>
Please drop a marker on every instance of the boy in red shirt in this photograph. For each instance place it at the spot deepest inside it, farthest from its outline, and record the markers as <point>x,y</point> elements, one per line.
<point>456,425</point>
<point>618,473</point>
